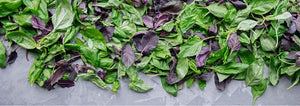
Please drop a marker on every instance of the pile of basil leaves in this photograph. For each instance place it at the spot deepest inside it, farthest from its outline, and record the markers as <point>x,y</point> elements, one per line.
<point>189,40</point>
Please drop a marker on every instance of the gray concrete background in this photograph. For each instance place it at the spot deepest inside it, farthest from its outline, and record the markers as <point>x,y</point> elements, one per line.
<point>16,90</point>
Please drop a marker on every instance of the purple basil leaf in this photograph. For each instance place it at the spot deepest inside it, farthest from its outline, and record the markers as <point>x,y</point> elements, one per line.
<point>117,52</point>
<point>205,76</point>
<point>146,2</point>
<point>149,42</point>
<point>233,42</point>
<point>164,34</point>
<point>148,21</point>
<point>140,33</point>
<point>162,19</point>
<point>102,75</point>
<point>107,32</point>
<point>137,43</point>
<point>82,17</point>
<point>222,85</point>
<point>266,24</point>
<point>201,35</point>
<point>12,57</point>
<point>215,45</point>
<point>74,73</point>
<point>297,21</point>
<point>37,23</point>
<point>38,37</point>
<point>292,30</point>
<point>238,4</point>
<point>82,4</point>
<point>295,40</point>
<point>172,7</point>
<point>286,45</point>
<point>137,3</point>
<point>128,56</point>
<point>202,56</point>
<point>293,55</point>
<point>57,75</point>
<point>298,62</point>
<point>172,77</point>
<point>65,83</point>
<point>213,31</point>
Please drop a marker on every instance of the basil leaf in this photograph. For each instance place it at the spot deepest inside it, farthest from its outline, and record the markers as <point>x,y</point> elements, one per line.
<point>94,37</point>
<point>182,68</point>
<point>128,56</point>
<point>191,48</point>
<point>247,25</point>
<point>282,16</point>
<point>64,15</point>
<point>255,73</point>
<point>273,72</point>
<point>22,39</point>
<point>92,76</point>
<point>267,43</point>
<point>2,54</point>
<point>171,89</point>
<point>230,68</point>
<point>9,6</point>
<point>258,90</point>
<point>70,34</point>
<point>217,10</point>
<point>260,7</point>
<point>49,40</point>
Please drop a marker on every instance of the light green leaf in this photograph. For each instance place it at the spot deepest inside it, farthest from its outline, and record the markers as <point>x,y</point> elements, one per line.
<point>64,15</point>
<point>22,39</point>
<point>255,73</point>
<point>247,25</point>
<point>258,90</point>
<point>191,48</point>
<point>182,67</point>
<point>219,11</point>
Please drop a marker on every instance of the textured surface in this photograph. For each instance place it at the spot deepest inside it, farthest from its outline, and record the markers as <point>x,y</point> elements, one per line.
<point>15,89</point>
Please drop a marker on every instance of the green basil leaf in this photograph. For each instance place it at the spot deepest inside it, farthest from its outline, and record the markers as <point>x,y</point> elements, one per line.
<point>255,73</point>
<point>70,34</point>
<point>268,43</point>
<point>111,77</point>
<point>191,48</point>
<point>49,40</point>
<point>116,17</point>
<point>282,16</point>
<point>171,89</point>
<point>247,25</point>
<point>9,6</point>
<point>258,90</point>
<point>201,84</point>
<point>182,68</point>
<point>162,50</point>
<point>163,65</point>
<point>110,4</point>
<point>93,77</point>
<point>273,72</point>
<point>189,82</point>
<point>23,20</point>
<point>292,69</point>
<point>217,10</point>
<point>261,7</point>
<point>94,37</point>
<point>64,15</point>
<point>230,68</point>
<point>246,56</point>
<point>2,54</point>
<point>35,70</point>
<point>22,39</point>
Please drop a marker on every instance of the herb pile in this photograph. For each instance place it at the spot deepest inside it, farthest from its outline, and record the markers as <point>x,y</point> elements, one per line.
<point>179,41</point>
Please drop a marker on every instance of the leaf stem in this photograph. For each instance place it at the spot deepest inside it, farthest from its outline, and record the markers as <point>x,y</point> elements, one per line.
<point>211,37</point>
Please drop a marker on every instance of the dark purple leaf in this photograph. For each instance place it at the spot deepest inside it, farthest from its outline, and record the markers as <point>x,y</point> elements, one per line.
<point>286,45</point>
<point>12,57</point>
<point>74,73</point>
<point>238,4</point>
<point>38,37</point>
<point>82,17</point>
<point>201,35</point>
<point>107,32</point>
<point>294,40</point>
<point>102,75</point>
<point>292,30</point>
<point>147,43</point>
<point>202,56</point>
<point>172,77</point>
<point>222,85</point>
<point>146,2</point>
<point>298,62</point>
<point>164,34</point>
<point>148,21</point>
<point>128,56</point>
<point>215,45</point>
<point>205,76</point>
<point>141,33</point>
<point>233,42</point>
<point>266,24</point>
<point>213,31</point>
<point>57,75</point>
<point>66,83</point>
<point>172,7</point>
<point>297,21</point>
<point>188,1</point>
<point>162,19</point>
<point>137,3</point>
<point>82,4</point>
<point>293,55</point>
<point>37,23</point>
<point>117,52</point>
